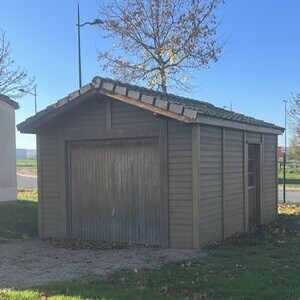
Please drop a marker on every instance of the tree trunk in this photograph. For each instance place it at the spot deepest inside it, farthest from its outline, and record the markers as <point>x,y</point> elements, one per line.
<point>163,78</point>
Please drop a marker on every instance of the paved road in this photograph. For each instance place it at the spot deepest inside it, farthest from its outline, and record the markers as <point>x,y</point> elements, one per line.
<point>23,181</point>
<point>291,195</point>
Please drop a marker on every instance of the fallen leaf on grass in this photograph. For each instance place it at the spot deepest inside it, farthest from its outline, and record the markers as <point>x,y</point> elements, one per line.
<point>163,288</point>
<point>82,244</point>
<point>274,231</point>
<point>197,296</point>
<point>289,209</point>
<point>43,296</point>
<point>186,264</point>
<point>281,242</point>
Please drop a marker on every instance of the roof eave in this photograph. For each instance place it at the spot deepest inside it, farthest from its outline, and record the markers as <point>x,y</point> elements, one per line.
<point>201,119</point>
<point>32,124</point>
<point>147,106</point>
<point>10,102</point>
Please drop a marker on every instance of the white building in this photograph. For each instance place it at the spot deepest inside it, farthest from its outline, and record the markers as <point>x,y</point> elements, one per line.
<point>26,153</point>
<point>8,179</point>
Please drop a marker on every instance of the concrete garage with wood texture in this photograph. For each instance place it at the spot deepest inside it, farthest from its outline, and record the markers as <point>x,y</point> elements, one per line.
<point>120,163</point>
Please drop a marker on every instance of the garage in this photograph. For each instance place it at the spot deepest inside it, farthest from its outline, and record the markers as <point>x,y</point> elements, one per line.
<point>114,188</point>
<point>125,164</point>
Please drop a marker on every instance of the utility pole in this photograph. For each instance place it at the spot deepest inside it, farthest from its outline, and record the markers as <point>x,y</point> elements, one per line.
<point>284,154</point>
<point>95,22</point>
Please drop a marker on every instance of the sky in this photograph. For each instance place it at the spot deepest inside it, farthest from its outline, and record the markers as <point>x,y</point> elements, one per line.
<point>258,69</point>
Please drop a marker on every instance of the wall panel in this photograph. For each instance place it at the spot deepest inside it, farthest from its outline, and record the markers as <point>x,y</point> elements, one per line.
<point>210,205</point>
<point>180,184</point>
<point>233,182</point>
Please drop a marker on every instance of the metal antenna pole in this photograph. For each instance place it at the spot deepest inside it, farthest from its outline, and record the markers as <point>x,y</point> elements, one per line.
<point>35,102</point>
<point>79,46</point>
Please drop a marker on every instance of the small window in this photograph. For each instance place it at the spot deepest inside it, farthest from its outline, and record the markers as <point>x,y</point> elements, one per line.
<point>251,151</point>
<point>250,165</point>
<point>250,179</point>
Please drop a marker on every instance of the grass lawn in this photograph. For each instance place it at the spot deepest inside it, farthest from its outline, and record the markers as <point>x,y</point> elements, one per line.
<point>262,264</point>
<point>18,219</point>
<point>292,177</point>
<point>26,163</point>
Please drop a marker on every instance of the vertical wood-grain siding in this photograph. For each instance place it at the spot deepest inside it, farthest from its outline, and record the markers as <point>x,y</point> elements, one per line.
<point>269,193</point>
<point>233,182</point>
<point>90,117</point>
<point>210,184</point>
<point>253,137</point>
<point>49,183</point>
<point>115,191</point>
<point>127,116</point>
<point>180,184</point>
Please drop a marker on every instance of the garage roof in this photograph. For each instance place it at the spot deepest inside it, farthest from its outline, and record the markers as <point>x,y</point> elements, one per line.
<point>169,105</point>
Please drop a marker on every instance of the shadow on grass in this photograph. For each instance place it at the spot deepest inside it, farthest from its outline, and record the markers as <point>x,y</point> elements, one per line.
<point>18,219</point>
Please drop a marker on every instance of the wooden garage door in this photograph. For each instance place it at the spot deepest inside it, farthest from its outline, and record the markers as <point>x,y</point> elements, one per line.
<point>115,191</point>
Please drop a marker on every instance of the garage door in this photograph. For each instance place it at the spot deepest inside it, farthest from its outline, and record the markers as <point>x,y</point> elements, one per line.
<point>115,191</point>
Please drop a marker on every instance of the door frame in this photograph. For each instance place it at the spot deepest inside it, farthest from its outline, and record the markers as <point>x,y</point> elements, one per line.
<point>158,132</point>
<point>260,144</point>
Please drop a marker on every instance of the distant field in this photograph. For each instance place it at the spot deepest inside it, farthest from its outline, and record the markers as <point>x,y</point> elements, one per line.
<point>291,177</point>
<point>26,163</point>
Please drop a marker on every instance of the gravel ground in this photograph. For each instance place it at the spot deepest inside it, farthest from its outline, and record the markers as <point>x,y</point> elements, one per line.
<point>28,263</point>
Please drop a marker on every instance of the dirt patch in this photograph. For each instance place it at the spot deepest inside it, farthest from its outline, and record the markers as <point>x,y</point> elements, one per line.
<point>27,172</point>
<point>29,263</point>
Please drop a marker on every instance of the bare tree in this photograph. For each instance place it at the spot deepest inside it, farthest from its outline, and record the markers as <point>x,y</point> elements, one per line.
<point>295,146</point>
<point>294,125</point>
<point>294,109</point>
<point>14,81</point>
<point>160,42</point>
<point>293,115</point>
